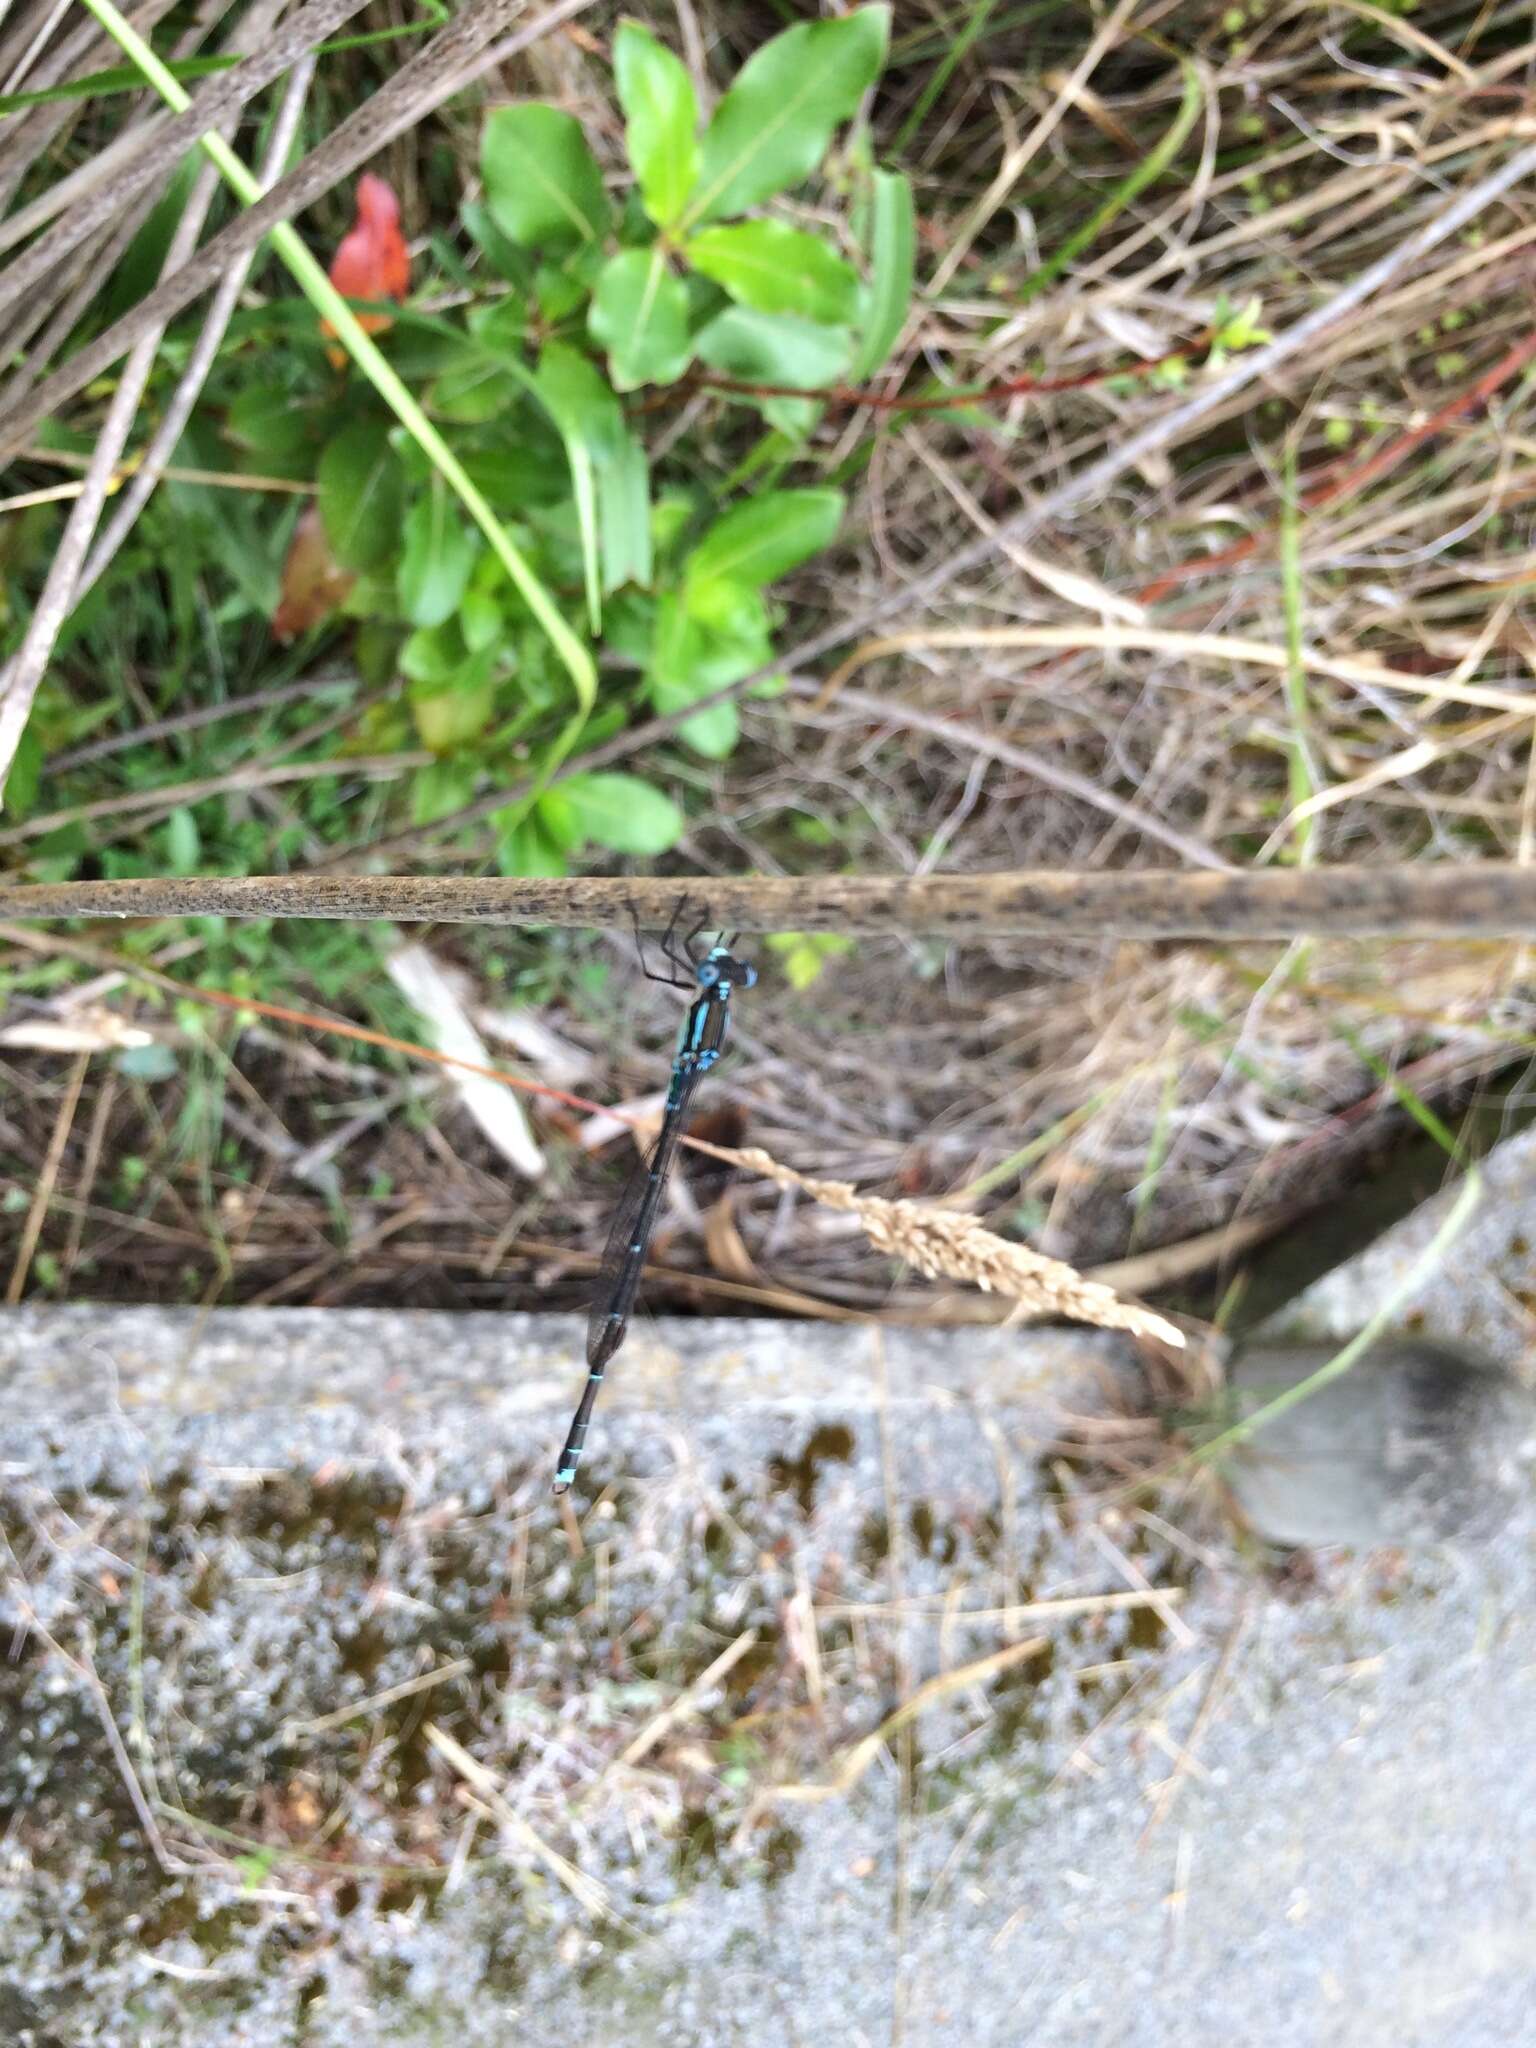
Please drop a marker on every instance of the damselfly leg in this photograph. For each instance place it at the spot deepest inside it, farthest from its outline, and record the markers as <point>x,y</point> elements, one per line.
<point>683,974</point>
<point>679,952</point>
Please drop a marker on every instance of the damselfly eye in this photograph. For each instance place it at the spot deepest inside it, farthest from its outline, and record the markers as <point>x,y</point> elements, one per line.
<point>708,973</point>
<point>748,974</point>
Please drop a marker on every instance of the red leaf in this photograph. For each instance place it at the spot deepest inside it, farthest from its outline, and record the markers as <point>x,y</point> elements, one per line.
<point>372,261</point>
<point>314,582</point>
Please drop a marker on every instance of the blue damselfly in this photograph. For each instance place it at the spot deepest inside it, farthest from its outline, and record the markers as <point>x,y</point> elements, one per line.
<point>699,1045</point>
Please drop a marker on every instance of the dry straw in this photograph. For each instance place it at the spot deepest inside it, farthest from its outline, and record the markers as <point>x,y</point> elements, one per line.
<point>947,1244</point>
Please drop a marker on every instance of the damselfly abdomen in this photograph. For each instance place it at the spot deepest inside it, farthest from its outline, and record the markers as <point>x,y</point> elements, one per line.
<point>699,1045</point>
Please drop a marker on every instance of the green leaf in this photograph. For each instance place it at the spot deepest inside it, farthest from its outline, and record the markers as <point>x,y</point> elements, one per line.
<point>453,717</point>
<point>436,561</point>
<point>776,269</point>
<point>591,425</point>
<point>21,785</point>
<point>578,400</point>
<point>661,118</point>
<point>518,470</point>
<point>623,813</point>
<point>584,491</point>
<point>639,314</point>
<point>523,847</point>
<point>434,654</point>
<point>765,538</point>
<point>361,490</point>
<point>274,430</point>
<point>624,516</point>
<point>803,955</point>
<point>450,263</point>
<point>672,513</point>
<point>715,636</point>
<point>136,268</point>
<point>629,621</point>
<point>473,390</point>
<point>557,821</point>
<point>503,255</point>
<point>503,327</point>
<point>441,787</point>
<point>774,348</point>
<point>480,620</point>
<point>773,126</point>
<point>542,183</point>
<point>892,254</point>
<point>561,289</point>
<point>1238,327</point>
<point>376,652</point>
<point>183,842</point>
<point>733,612</point>
<point>715,732</point>
<point>712,733</point>
<point>449,718</point>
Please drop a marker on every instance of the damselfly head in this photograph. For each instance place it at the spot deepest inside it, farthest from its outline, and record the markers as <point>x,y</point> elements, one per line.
<point>720,964</point>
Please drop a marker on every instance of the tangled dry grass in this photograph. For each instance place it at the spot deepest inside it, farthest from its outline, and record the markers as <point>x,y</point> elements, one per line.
<point>1362,506</point>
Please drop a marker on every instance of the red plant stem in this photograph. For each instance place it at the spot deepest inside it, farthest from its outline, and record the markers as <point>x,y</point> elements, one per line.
<point>1343,483</point>
<point>310,1020</point>
<point>852,396</point>
<point>338,1027</point>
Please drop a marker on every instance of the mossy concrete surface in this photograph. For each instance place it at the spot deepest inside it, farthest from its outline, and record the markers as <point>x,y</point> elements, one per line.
<point>323,1724</point>
<point>1478,1289</point>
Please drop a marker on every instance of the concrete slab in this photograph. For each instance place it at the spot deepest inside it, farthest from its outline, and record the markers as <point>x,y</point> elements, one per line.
<point>269,1548</point>
<point>1481,1292</point>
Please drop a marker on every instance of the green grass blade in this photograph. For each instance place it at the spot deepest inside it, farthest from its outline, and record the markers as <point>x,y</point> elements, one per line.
<point>1384,1319</point>
<point>1150,168</point>
<point>1157,1152</point>
<point>1303,774</point>
<point>1018,1162</point>
<point>1432,1125</point>
<point>942,72</point>
<point>329,303</point>
<point>128,78</point>
<point>893,251</point>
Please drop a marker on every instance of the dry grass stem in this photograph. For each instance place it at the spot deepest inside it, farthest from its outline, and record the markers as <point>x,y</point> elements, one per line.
<point>1215,647</point>
<point>486,1786</point>
<point>1066,1608</point>
<point>42,1195</point>
<point>854,1762</point>
<point>358,1710</point>
<point>657,1729</point>
<point>1205,1713</point>
<point>944,1244</point>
